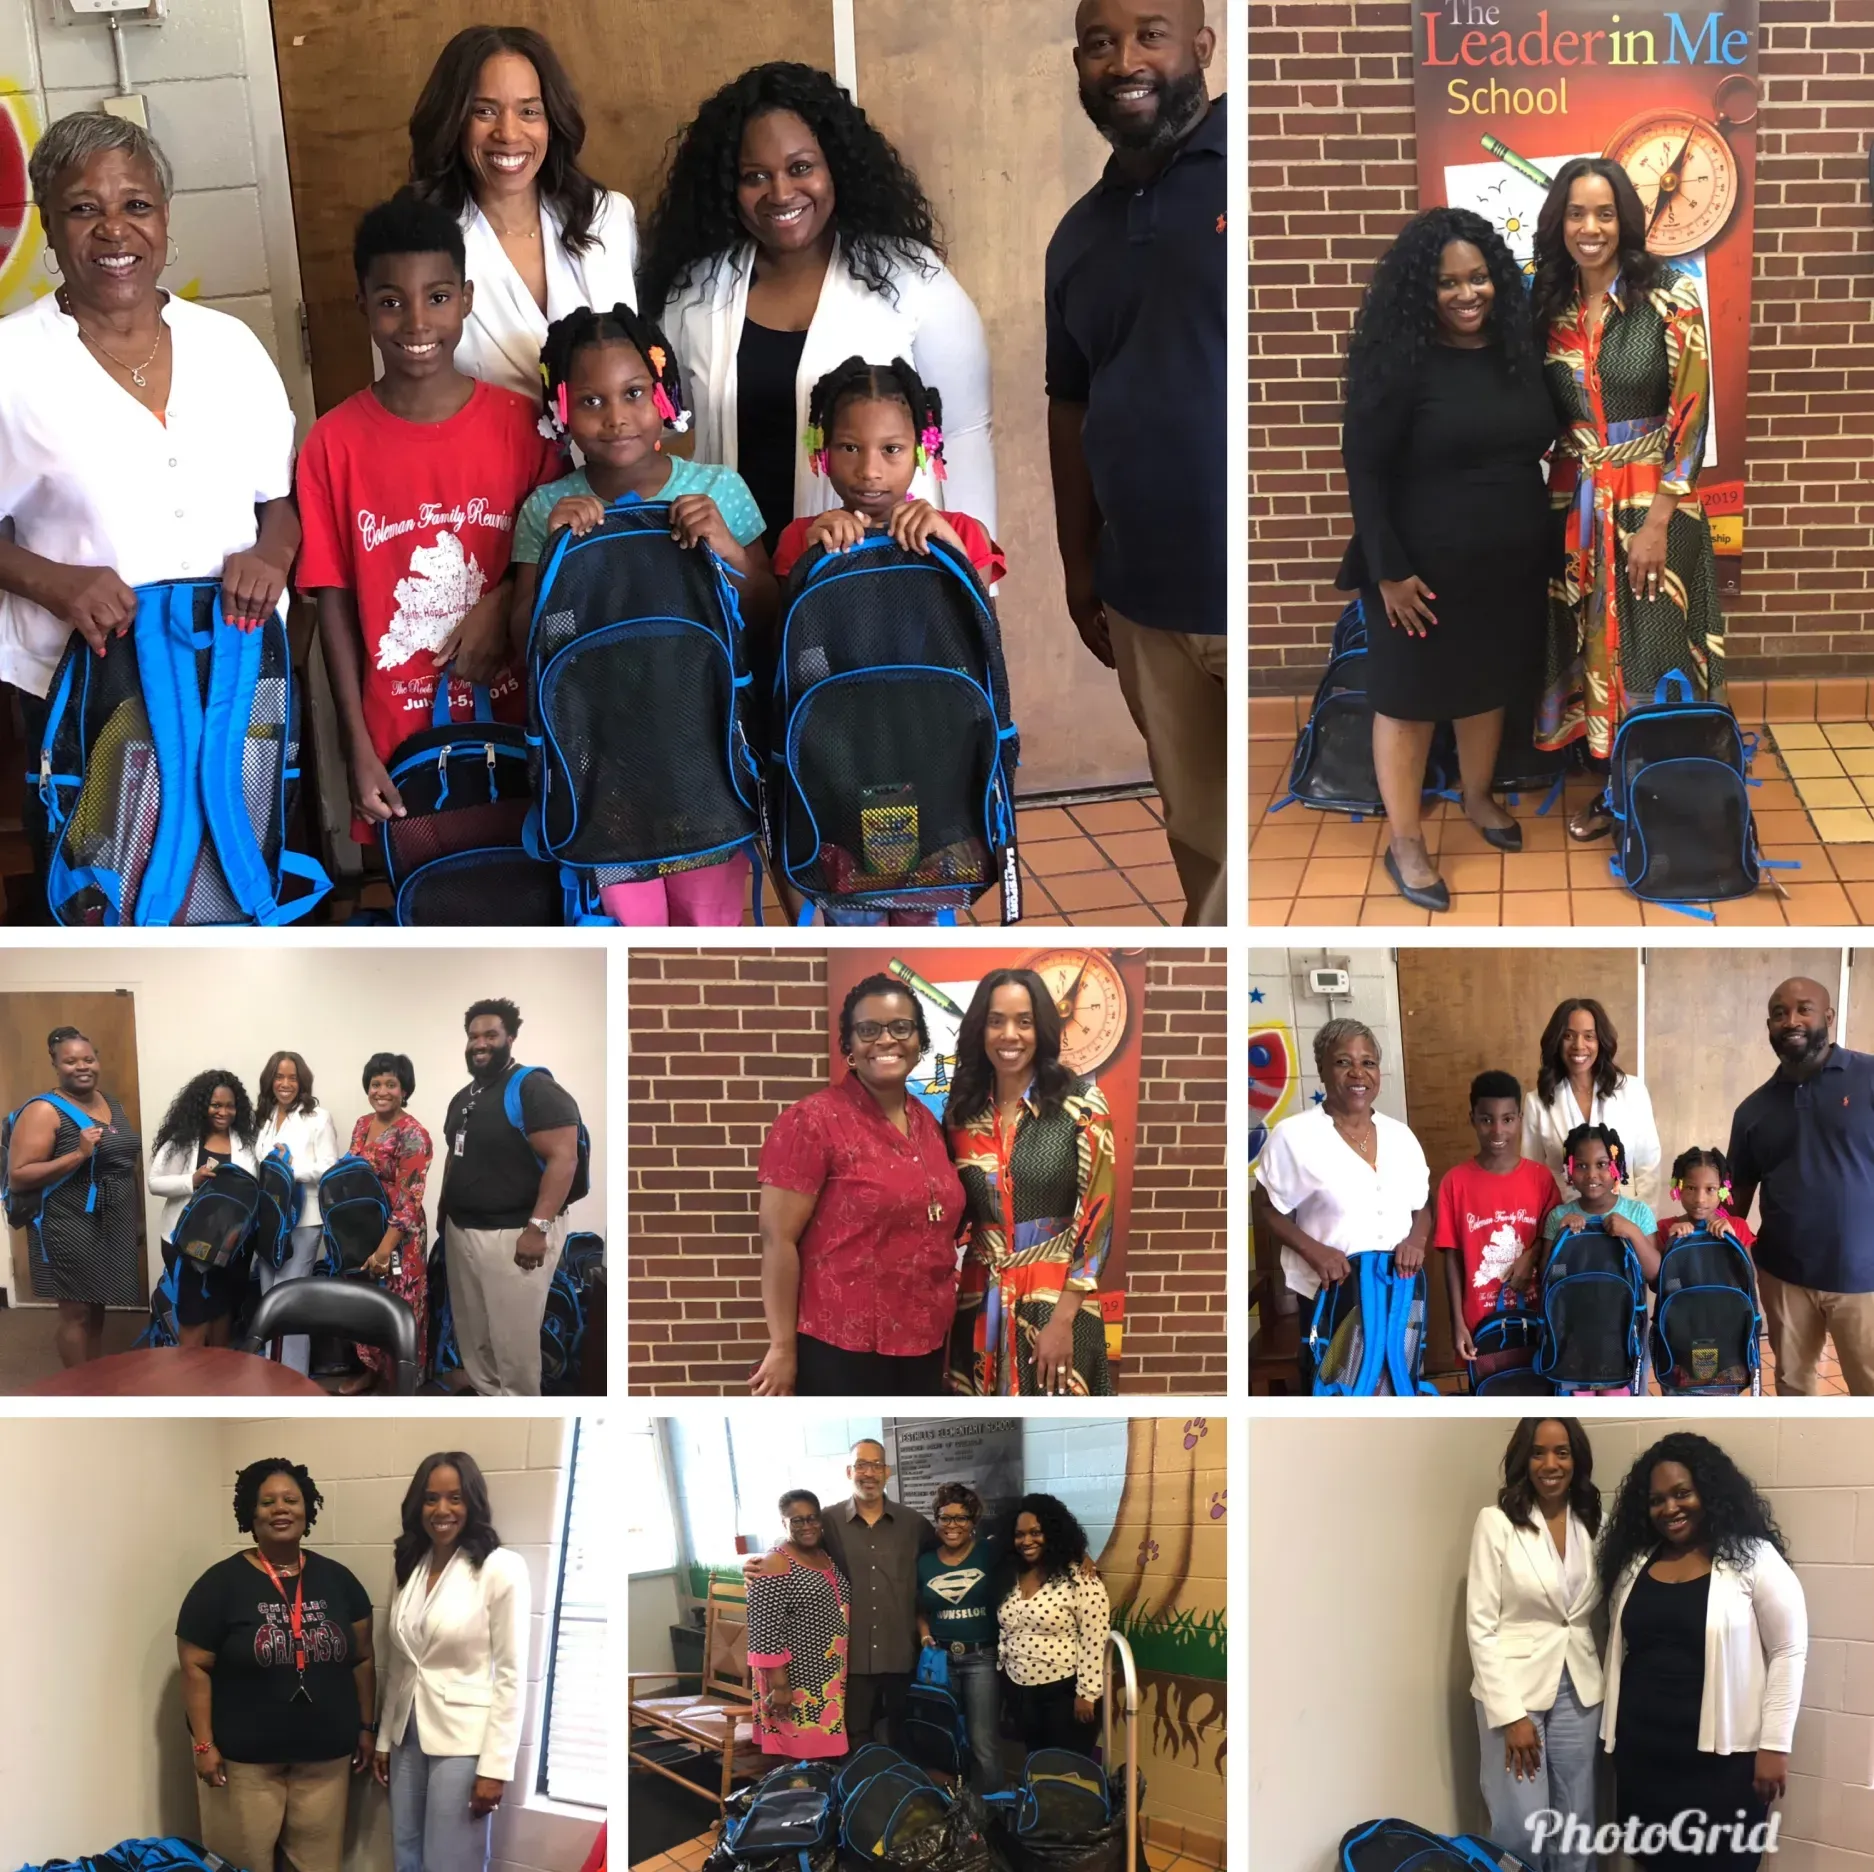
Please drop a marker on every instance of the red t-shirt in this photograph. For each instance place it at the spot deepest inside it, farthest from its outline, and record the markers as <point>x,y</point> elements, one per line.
<point>416,521</point>
<point>984,554</point>
<point>1746,1238</point>
<point>1489,1220</point>
<point>877,1272</point>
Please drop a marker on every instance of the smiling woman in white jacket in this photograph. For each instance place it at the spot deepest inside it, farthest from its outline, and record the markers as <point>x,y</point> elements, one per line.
<point>290,1118</point>
<point>210,1122</point>
<point>1529,1606</point>
<point>1579,1082</point>
<point>1707,1638</point>
<point>824,249</point>
<point>454,1676</point>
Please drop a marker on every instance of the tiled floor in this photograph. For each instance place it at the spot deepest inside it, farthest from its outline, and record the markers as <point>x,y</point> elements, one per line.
<point>687,1857</point>
<point>1314,868</point>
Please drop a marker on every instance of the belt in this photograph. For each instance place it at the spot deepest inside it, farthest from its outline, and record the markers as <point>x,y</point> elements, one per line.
<point>957,1648</point>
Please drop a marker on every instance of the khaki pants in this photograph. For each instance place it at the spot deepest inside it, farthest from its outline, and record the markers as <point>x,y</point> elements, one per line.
<point>498,1307</point>
<point>1800,1318</point>
<point>1173,683</point>
<point>297,1806</point>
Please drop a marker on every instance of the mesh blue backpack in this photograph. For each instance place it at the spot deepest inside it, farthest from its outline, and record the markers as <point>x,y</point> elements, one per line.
<point>143,1855</point>
<point>216,1226</point>
<point>563,1325</point>
<point>1367,1336</point>
<point>791,1813</point>
<point>25,1208</point>
<point>354,1212</point>
<point>637,683</point>
<point>168,769</point>
<point>458,855</point>
<point>160,1328</point>
<point>1508,1342</point>
<point>1594,1313</point>
<point>893,757</point>
<point>1404,1846</point>
<point>935,1735</point>
<point>1707,1325</point>
<point>1678,784</point>
<point>281,1201</point>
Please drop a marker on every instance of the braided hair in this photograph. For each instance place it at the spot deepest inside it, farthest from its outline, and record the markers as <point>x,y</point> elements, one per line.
<point>896,382</point>
<point>1586,1133</point>
<point>568,336</point>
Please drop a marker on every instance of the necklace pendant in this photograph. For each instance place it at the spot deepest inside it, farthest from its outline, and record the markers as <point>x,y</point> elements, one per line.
<point>138,378</point>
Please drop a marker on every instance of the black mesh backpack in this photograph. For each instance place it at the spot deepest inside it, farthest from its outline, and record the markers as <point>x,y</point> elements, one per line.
<point>1508,1341</point>
<point>1594,1313</point>
<point>893,752</point>
<point>216,1226</point>
<point>1707,1327</point>
<point>1404,1846</point>
<point>354,1212</point>
<point>1678,785</point>
<point>637,685</point>
<point>457,856</point>
<point>168,768</point>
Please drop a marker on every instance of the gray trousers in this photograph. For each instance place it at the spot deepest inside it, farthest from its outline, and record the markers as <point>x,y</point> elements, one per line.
<point>1564,1783</point>
<point>430,1824</point>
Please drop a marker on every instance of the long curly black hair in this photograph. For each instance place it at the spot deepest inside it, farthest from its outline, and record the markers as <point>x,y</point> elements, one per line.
<point>882,214</point>
<point>186,1121</point>
<point>1397,325</point>
<point>478,1538</point>
<point>1736,1516</point>
<point>1063,1543</point>
<point>973,1085</point>
<point>247,1490</point>
<point>1517,1497</point>
<point>1554,282</point>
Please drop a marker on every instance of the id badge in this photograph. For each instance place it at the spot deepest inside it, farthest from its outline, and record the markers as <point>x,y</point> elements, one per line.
<point>461,1138</point>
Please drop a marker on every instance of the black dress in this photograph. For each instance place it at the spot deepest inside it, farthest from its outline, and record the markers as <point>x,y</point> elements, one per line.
<point>767,438</point>
<point>1445,478</point>
<point>83,1250</point>
<point>1659,1771</point>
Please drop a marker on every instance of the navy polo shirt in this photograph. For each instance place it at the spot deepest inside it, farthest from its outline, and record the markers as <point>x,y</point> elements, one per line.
<point>1808,1146</point>
<point>1136,298</point>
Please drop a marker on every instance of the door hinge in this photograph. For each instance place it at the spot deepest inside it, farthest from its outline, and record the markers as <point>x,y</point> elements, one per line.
<point>305,335</point>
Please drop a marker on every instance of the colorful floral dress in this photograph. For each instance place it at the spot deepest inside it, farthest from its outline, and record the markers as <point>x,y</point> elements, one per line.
<point>799,1620</point>
<point>1634,399</point>
<point>401,1158</point>
<point>1038,1218</point>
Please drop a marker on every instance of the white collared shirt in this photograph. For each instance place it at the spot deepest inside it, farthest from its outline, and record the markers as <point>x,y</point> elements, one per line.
<point>1628,1111</point>
<point>88,476</point>
<point>1312,1174</point>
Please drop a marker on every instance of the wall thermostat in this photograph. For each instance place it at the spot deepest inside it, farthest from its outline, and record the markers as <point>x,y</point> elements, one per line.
<point>1331,984</point>
<point>148,11</point>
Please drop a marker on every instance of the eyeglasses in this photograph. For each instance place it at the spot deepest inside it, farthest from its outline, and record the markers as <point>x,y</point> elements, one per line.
<point>870,1468</point>
<point>803,1520</point>
<point>956,1520</point>
<point>871,1030</point>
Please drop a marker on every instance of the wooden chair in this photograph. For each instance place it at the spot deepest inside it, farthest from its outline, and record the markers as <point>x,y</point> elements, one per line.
<point>719,1719</point>
<point>1275,1345</point>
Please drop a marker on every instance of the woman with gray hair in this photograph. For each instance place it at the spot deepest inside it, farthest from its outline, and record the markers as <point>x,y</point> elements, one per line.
<point>1341,1178</point>
<point>142,437</point>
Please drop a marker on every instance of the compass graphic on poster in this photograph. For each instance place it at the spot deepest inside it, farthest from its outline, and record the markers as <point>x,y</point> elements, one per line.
<point>1684,169</point>
<point>1091,996</point>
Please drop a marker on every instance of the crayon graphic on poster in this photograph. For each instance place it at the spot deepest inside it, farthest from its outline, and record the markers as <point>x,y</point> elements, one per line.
<point>1507,91</point>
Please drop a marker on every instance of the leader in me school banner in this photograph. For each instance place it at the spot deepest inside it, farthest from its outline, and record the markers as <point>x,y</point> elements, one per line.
<point>1507,91</point>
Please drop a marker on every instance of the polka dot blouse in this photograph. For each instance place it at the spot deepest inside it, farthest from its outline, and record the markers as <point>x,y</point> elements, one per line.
<point>1060,1632</point>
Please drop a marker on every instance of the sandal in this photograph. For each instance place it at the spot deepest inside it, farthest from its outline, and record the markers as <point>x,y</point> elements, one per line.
<point>1592,821</point>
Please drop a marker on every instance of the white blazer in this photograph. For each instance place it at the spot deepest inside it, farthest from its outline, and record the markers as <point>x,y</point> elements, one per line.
<point>931,321</point>
<point>1629,1111</point>
<point>172,1176</point>
<point>312,1141</point>
<point>1756,1644</point>
<point>1522,1629</point>
<point>501,338</point>
<point>458,1657</point>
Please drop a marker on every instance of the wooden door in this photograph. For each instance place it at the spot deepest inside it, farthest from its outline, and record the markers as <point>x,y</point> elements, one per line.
<point>1705,1042</point>
<point>111,1022</point>
<point>1464,1011</point>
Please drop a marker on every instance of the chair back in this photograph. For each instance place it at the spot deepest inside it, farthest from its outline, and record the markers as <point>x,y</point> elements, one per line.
<point>725,1642</point>
<point>347,1308</point>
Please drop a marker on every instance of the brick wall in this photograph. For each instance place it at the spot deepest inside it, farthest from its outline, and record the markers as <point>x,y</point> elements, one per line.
<point>1333,177</point>
<point>722,1040</point>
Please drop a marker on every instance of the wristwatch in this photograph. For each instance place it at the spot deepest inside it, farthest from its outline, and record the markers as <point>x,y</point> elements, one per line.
<point>542,1224</point>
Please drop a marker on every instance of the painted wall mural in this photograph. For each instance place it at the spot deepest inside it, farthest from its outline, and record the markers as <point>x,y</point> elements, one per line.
<point>21,278</point>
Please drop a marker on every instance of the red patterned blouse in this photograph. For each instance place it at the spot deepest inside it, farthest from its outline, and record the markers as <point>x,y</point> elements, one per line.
<point>878,1260</point>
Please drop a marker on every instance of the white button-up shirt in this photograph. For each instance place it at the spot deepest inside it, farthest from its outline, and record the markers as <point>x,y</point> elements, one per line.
<point>1312,1174</point>
<point>88,476</point>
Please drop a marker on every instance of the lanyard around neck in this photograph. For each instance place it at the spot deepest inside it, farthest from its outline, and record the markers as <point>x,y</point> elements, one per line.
<point>297,1618</point>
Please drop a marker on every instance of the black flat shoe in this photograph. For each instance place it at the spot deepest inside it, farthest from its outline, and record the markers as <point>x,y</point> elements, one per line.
<point>1504,838</point>
<point>1421,896</point>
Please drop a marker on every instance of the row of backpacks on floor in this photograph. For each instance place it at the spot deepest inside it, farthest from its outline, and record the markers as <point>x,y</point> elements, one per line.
<point>1587,1332</point>
<point>235,1217</point>
<point>1678,779</point>
<point>168,766</point>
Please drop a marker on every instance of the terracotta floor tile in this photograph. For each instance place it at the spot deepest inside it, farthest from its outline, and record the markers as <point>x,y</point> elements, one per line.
<point>1324,912</point>
<point>1783,701</point>
<point>1284,839</point>
<point>1850,734</point>
<point>1265,913</point>
<point>1036,823</point>
<point>1856,762</point>
<point>1812,763</point>
<point>1853,864</point>
<point>1393,912</point>
<point>1848,826</point>
<point>1817,903</point>
<point>1053,857</point>
<point>1605,909</point>
<point>1093,890</point>
<point>1461,837</point>
<point>1120,815</point>
<point>1524,909</point>
<point>1818,795</point>
<point>1747,701</point>
<point>1791,827</point>
<point>1335,877</point>
<point>1466,870</point>
<point>1272,715</point>
<point>1663,916</point>
<point>1472,908</point>
<point>1549,833</point>
<point>1158,885</point>
<point>1587,865</point>
<point>1761,910</point>
<point>1134,851</point>
<point>1349,838</point>
<point>1777,795</point>
<point>1526,870</point>
<point>1840,699</point>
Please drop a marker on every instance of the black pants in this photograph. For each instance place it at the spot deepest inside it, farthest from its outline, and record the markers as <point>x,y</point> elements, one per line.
<point>1042,1716</point>
<point>823,1370</point>
<point>875,1702</point>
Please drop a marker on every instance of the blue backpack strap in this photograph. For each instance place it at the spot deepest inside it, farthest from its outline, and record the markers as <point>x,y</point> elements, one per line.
<point>164,637</point>
<point>1376,1320</point>
<point>1662,690</point>
<point>298,865</point>
<point>234,674</point>
<point>439,713</point>
<point>1406,1291</point>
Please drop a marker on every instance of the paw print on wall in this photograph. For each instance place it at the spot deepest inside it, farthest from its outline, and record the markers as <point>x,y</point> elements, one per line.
<point>1195,1431</point>
<point>1216,1504</point>
<point>1148,1551</point>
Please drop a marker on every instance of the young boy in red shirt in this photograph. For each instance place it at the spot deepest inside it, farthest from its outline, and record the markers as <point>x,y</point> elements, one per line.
<point>1490,1210</point>
<point>407,494</point>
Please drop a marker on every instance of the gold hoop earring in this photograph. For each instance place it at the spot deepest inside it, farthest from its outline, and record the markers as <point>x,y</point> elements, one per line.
<point>174,254</point>
<point>50,261</point>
